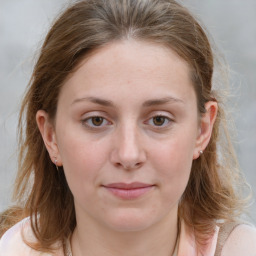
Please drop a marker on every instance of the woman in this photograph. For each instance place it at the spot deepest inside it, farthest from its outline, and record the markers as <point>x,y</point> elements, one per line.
<point>119,155</point>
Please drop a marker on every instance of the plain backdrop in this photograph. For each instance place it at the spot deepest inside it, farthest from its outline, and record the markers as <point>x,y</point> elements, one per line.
<point>24,23</point>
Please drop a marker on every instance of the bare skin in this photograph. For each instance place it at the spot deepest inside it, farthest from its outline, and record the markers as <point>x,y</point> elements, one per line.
<point>128,115</point>
<point>242,241</point>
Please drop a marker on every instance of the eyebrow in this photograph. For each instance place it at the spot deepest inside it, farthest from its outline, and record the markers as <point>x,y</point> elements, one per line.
<point>148,103</point>
<point>106,103</point>
<point>161,101</point>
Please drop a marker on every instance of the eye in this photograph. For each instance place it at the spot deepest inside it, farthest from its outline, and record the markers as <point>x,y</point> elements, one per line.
<point>95,121</point>
<point>159,121</point>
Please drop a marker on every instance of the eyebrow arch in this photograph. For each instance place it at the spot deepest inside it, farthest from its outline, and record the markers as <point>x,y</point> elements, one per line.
<point>148,103</point>
<point>161,101</point>
<point>106,103</point>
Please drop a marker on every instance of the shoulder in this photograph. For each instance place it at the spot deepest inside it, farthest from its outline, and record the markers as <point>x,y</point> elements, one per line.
<point>241,241</point>
<point>12,243</point>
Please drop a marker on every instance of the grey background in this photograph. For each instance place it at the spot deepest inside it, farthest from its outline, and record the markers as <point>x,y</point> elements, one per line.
<point>24,23</point>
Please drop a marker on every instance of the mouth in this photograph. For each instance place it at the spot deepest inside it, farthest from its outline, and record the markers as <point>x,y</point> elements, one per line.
<point>128,191</point>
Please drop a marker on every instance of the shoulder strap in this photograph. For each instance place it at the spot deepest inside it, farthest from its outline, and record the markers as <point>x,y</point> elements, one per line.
<point>224,233</point>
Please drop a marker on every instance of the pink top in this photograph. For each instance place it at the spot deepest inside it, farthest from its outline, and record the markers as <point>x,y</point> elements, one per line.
<point>11,244</point>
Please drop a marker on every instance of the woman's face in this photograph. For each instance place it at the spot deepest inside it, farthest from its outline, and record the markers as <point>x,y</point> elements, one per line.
<point>126,134</point>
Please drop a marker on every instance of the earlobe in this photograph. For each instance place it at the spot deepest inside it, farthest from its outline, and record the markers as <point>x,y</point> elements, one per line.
<point>47,131</point>
<point>206,126</point>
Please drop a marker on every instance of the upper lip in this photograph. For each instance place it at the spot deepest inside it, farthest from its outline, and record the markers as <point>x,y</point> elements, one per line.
<point>127,186</point>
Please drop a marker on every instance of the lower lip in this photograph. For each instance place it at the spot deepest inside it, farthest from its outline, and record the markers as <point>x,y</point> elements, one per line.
<point>129,194</point>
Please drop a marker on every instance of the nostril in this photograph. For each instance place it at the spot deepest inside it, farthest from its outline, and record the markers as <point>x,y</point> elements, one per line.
<point>131,166</point>
<point>127,158</point>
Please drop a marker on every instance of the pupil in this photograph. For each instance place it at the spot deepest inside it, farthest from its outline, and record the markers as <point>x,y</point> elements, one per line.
<point>159,120</point>
<point>97,120</point>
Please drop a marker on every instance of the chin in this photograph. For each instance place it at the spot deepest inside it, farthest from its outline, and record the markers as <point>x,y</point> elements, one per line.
<point>130,220</point>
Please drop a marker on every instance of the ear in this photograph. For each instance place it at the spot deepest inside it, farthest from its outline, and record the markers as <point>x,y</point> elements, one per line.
<point>205,128</point>
<point>48,134</point>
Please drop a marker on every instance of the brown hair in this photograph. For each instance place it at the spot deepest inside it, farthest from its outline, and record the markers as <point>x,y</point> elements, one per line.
<point>82,28</point>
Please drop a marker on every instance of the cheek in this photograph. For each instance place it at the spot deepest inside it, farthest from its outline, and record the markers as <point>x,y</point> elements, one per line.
<point>173,161</point>
<point>82,159</point>
<point>175,154</point>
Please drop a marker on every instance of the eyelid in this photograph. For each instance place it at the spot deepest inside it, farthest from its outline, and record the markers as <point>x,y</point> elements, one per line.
<point>106,121</point>
<point>91,115</point>
<point>166,116</point>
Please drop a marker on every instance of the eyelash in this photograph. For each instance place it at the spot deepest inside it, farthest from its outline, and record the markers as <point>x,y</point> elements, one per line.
<point>166,123</point>
<point>92,126</point>
<point>88,120</point>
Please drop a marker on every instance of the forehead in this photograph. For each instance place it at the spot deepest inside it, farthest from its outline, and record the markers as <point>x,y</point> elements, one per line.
<point>129,68</point>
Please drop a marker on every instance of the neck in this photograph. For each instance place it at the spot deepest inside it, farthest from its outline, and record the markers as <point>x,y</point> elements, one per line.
<point>90,238</point>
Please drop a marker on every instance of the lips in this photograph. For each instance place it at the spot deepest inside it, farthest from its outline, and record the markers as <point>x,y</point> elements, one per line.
<point>128,190</point>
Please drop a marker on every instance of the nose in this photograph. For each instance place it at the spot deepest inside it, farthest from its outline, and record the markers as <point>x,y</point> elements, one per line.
<point>128,151</point>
